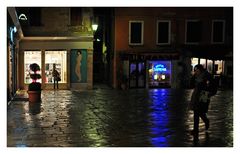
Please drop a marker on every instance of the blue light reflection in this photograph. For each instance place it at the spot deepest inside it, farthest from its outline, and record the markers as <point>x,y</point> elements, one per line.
<point>159,117</point>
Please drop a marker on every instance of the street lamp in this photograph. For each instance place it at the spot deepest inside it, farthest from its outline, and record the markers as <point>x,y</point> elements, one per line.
<point>94,24</point>
<point>94,27</point>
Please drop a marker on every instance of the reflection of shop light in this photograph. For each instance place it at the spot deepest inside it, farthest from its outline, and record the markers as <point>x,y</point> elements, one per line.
<point>155,77</point>
<point>160,68</point>
<point>163,77</point>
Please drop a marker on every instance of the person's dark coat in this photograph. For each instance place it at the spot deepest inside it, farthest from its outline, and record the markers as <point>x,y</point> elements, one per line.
<point>201,87</point>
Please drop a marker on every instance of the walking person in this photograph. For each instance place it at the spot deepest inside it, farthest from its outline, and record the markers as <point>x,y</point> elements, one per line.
<point>56,76</point>
<point>201,96</point>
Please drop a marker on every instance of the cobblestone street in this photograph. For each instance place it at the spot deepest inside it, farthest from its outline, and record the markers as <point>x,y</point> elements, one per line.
<point>106,117</point>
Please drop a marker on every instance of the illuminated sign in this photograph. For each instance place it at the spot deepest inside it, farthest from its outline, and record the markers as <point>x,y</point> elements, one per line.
<point>160,68</point>
<point>22,17</point>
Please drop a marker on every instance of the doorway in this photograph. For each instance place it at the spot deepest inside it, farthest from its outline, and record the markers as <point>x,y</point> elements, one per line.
<point>137,74</point>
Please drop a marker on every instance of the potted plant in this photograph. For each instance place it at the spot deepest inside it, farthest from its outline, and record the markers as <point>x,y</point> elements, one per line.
<point>34,88</point>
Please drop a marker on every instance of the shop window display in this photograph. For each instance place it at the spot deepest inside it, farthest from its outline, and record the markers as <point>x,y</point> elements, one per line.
<point>203,63</point>
<point>217,69</point>
<point>159,74</point>
<point>59,59</point>
<point>29,58</point>
<point>209,65</point>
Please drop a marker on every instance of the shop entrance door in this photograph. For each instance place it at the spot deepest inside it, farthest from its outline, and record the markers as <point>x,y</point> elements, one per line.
<point>59,58</point>
<point>137,74</point>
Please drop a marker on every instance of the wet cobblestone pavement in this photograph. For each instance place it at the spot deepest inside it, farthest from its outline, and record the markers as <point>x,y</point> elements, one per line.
<point>105,117</point>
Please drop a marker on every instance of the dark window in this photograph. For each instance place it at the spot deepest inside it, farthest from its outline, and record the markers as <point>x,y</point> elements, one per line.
<point>194,31</point>
<point>163,32</point>
<point>76,16</point>
<point>136,33</point>
<point>218,31</point>
<point>35,16</point>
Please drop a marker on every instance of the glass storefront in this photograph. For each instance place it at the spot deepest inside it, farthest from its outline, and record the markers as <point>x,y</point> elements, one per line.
<point>210,65</point>
<point>219,66</point>
<point>159,74</point>
<point>50,57</point>
<point>203,63</point>
<point>29,58</point>
<point>214,67</point>
<point>59,58</point>
<point>137,74</point>
<point>194,63</point>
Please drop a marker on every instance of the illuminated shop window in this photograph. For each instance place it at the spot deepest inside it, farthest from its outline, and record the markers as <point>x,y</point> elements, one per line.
<point>194,63</point>
<point>203,63</point>
<point>218,67</point>
<point>29,58</point>
<point>59,58</point>
<point>159,73</point>
<point>210,66</point>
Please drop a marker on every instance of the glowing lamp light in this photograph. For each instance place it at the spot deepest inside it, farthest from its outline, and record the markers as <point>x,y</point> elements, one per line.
<point>94,27</point>
<point>163,77</point>
<point>155,77</point>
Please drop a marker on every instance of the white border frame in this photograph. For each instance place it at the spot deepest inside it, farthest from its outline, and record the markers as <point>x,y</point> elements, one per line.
<point>169,32</point>
<point>142,32</point>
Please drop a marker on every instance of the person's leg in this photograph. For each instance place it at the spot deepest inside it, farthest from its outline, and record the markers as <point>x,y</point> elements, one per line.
<point>196,121</point>
<point>205,120</point>
<point>54,83</point>
<point>57,84</point>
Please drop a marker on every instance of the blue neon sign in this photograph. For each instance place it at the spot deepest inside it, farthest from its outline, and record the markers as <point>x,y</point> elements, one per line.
<point>160,68</point>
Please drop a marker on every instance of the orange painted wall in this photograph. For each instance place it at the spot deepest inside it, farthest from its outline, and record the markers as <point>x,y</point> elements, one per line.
<point>122,18</point>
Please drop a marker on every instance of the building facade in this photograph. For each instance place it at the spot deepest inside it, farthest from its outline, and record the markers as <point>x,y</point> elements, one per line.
<point>136,47</point>
<point>158,47</point>
<point>47,36</point>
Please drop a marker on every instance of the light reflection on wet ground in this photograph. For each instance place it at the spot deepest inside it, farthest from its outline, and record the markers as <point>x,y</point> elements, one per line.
<point>115,118</point>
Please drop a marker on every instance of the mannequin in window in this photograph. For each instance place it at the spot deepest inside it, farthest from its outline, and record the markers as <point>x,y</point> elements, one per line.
<point>78,65</point>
